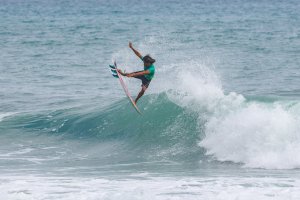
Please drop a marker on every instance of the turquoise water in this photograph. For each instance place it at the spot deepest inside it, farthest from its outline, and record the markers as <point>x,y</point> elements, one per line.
<point>220,119</point>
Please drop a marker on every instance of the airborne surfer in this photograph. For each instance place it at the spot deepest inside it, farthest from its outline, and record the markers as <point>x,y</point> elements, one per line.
<point>145,75</point>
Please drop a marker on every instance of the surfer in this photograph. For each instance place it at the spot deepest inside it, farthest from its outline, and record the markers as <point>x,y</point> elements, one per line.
<point>145,75</point>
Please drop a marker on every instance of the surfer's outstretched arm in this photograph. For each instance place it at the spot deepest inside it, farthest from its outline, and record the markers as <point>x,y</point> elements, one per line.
<point>138,54</point>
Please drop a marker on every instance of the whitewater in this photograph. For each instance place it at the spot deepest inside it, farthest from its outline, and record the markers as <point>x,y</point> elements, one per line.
<point>221,118</point>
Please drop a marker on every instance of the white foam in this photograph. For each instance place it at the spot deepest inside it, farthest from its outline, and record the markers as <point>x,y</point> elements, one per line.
<point>4,115</point>
<point>258,135</point>
<point>152,188</point>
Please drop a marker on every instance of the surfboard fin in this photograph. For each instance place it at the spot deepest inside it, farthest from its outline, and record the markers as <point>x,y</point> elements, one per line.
<point>113,70</point>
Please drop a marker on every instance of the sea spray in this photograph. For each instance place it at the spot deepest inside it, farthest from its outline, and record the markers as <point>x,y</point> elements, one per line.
<point>255,133</point>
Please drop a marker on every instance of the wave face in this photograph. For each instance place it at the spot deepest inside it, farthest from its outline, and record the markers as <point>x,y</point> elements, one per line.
<point>116,133</point>
<point>195,122</point>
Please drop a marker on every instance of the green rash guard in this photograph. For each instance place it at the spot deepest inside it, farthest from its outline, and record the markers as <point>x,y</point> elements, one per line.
<point>151,69</point>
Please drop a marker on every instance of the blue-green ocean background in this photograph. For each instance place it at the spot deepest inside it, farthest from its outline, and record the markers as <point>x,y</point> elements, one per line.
<point>221,118</point>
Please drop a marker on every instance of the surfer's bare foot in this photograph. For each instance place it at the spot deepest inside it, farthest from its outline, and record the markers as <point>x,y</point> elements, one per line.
<point>122,73</point>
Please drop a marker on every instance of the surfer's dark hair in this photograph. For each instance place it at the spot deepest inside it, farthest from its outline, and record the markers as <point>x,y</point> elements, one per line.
<point>148,59</point>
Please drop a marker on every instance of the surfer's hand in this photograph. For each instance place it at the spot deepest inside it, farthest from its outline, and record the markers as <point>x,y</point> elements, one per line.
<point>120,71</point>
<point>130,45</point>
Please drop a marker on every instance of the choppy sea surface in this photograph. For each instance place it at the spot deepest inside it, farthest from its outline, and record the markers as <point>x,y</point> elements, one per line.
<point>221,118</point>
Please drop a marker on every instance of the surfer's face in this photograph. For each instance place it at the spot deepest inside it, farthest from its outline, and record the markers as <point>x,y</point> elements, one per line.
<point>146,64</point>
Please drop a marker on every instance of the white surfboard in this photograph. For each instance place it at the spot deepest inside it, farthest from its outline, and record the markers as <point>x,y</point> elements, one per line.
<point>116,74</point>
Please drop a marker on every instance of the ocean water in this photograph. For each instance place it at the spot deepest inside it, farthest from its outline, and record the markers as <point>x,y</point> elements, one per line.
<point>221,118</point>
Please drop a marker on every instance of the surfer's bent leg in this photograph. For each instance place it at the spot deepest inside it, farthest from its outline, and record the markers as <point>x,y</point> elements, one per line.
<point>145,84</point>
<point>144,88</point>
